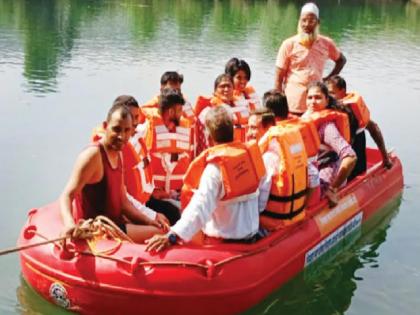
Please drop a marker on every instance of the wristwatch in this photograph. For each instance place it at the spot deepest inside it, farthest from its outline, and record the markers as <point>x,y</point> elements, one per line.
<point>172,237</point>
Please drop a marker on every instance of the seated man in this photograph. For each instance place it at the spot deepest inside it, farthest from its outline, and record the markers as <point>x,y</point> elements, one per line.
<point>259,122</point>
<point>276,102</point>
<point>169,140</point>
<point>97,184</point>
<point>291,184</point>
<point>220,207</point>
<point>337,88</point>
<point>172,80</point>
<point>137,167</point>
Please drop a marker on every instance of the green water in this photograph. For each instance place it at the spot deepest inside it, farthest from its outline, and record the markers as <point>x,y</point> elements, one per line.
<point>62,62</point>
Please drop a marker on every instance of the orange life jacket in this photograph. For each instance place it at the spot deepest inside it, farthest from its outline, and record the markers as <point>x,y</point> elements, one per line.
<point>359,109</point>
<point>239,112</point>
<point>289,186</point>
<point>163,144</point>
<point>241,167</point>
<point>248,97</point>
<point>136,167</point>
<point>308,132</point>
<point>138,179</point>
<point>340,119</point>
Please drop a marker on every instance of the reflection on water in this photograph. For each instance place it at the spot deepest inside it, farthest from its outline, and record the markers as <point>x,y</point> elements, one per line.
<point>50,32</point>
<point>78,55</point>
<point>327,286</point>
<point>31,303</point>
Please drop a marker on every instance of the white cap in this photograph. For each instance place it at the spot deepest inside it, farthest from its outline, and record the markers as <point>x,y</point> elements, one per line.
<point>310,7</point>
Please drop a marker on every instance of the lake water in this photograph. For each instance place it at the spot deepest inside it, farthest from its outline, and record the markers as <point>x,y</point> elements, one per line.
<point>62,62</point>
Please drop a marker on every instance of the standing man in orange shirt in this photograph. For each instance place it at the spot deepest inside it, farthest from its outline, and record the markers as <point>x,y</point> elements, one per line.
<point>301,59</point>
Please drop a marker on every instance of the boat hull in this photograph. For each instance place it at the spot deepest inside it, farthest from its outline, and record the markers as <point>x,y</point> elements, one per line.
<point>213,279</point>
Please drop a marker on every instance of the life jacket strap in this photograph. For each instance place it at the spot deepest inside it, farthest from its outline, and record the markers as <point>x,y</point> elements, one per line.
<point>289,198</point>
<point>282,216</point>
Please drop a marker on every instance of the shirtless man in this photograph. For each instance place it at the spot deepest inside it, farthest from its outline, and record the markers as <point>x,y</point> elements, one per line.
<point>96,183</point>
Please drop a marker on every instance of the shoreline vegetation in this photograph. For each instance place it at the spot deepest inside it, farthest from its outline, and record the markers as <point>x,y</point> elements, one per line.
<point>51,32</point>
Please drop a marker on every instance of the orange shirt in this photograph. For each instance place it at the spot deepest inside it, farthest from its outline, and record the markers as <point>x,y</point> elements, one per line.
<point>303,65</point>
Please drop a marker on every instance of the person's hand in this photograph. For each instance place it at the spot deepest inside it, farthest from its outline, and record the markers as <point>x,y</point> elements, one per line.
<point>332,196</point>
<point>387,163</point>
<point>68,230</point>
<point>157,243</point>
<point>159,193</point>
<point>162,221</point>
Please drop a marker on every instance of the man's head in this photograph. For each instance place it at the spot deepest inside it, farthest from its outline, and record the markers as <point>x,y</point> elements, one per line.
<point>276,102</point>
<point>219,124</point>
<point>308,26</point>
<point>259,122</point>
<point>118,127</point>
<point>170,107</point>
<point>337,87</point>
<point>131,103</point>
<point>171,79</point>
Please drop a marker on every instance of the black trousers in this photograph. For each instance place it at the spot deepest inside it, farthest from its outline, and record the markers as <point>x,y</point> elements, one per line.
<point>165,207</point>
<point>359,146</point>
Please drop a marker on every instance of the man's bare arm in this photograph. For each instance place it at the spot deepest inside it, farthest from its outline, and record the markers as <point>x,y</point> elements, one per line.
<point>86,170</point>
<point>376,134</point>
<point>339,64</point>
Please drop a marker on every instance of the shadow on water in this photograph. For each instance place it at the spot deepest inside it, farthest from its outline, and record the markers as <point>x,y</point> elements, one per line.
<point>328,285</point>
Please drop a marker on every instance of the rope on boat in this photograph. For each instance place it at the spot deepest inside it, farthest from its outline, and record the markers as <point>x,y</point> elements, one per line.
<point>91,230</point>
<point>19,248</point>
<point>102,227</point>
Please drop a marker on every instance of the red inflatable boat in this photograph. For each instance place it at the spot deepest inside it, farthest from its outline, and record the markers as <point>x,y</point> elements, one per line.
<point>223,278</point>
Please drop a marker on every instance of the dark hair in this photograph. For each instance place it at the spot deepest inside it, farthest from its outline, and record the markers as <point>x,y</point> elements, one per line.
<point>332,103</point>
<point>126,100</point>
<point>118,107</point>
<point>170,97</point>
<point>267,117</point>
<point>220,124</point>
<point>276,102</point>
<point>220,78</point>
<point>171,76</point>
<point>234,65</point>
<point>338,81</point>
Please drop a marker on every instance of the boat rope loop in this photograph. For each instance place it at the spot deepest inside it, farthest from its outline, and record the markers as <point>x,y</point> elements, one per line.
<point>94,230</point>
<point>90,230</point>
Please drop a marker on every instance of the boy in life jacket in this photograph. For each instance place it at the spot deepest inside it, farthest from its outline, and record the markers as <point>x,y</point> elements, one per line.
<point>337,88</point>
<point>169,139</point>
<point>173,80</point>
<point>223,184</point>
<point>96,183</point>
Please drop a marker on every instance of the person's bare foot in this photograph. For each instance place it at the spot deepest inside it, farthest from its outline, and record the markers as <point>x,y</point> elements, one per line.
<point>332,196</point>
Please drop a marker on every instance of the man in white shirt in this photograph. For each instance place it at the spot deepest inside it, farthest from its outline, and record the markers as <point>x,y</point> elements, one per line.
<point>235,218</point>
